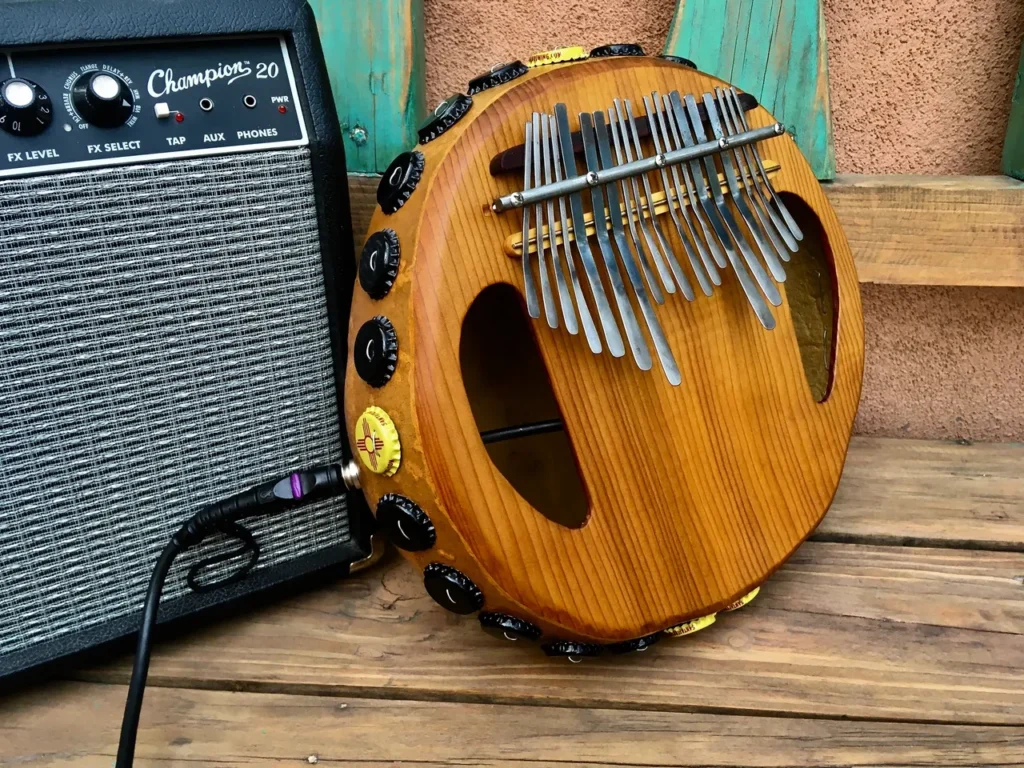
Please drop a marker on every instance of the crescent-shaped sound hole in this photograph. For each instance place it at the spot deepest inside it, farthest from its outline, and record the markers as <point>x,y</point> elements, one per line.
<point>507,385</point>
<point>811,293</point>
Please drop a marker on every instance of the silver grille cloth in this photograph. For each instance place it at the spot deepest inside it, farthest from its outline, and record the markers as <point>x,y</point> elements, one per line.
<point>163,344</point>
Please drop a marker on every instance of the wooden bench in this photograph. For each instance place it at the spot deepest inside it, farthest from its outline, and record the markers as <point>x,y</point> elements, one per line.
<point>895,636</point>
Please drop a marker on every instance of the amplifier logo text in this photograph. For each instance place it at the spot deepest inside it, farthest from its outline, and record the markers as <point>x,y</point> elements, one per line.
<point>163,81</point>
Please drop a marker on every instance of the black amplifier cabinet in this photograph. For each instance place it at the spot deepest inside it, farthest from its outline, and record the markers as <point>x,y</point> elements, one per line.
<point>175,276</point>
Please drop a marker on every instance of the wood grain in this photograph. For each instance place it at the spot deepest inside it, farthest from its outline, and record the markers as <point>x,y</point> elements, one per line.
<point>185,727</point>
<point>849,631</point>
<point>928,230</point>
<point>377,65</point>
<point>1013,149</point>
<point>721,478</point>
<point>776,50</point>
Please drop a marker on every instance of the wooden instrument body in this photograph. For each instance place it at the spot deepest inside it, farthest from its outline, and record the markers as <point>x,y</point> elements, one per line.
<point>696,493</point>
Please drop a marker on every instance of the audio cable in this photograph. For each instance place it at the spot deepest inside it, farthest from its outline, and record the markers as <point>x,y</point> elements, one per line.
<point>272,497</point>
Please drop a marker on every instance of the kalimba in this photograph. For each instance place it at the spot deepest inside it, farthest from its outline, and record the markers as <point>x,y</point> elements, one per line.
<point>675,422</point>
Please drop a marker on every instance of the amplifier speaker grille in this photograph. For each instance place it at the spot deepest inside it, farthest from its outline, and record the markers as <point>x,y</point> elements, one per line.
<point>164,343</point>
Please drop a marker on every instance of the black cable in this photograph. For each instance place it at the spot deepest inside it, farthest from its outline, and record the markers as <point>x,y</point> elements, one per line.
<point>296,489</point>
<point>247,545</point>
<point>521,430</point>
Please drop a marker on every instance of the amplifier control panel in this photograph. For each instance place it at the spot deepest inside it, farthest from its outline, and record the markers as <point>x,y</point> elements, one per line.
<point>78,107</point>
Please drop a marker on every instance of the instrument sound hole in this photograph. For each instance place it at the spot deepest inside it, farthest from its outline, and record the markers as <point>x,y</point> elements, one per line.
<point>507,385</point>
<point>811,292</point>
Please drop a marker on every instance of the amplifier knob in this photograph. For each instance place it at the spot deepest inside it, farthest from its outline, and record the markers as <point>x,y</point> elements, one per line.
<point>679,60</point>
<point>408,527</point>
<point>103,99</point>
<point>376,351</point>
<point>497,75</point>
<point>399,181</point>
<point>25,108</point>
<point>505,627</point>
<point>445,115</point>
<point>452,589</point>
<point>617,49</point>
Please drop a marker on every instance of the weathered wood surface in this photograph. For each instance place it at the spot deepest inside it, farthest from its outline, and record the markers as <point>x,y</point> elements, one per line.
<point>194,727</point>
<point>1013,149</point>
<point>774,49</point>
<point>908,230</point>
<point>376,60</point>
<point>933,230</point>
<point>855,653</point>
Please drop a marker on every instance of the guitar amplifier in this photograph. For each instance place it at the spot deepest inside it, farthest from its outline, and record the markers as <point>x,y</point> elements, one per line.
<point>176,270</point>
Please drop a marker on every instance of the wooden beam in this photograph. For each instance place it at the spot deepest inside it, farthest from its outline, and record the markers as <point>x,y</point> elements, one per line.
<point>1013,149</point>
<point>933,230</point>
<point>907,230</point>
<point>376,59</point>
<point>74,725</point>
<point>774,49</point>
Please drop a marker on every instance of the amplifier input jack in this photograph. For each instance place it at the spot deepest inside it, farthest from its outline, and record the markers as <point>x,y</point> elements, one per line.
<point>206,105</point>
<point>249,100</point>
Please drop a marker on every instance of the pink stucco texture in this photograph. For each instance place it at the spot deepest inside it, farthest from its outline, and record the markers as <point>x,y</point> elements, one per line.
<point>918,86</point>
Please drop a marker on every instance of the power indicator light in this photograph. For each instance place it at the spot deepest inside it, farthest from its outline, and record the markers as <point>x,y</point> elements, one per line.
<point>179,117</point>
<point>282,109</point>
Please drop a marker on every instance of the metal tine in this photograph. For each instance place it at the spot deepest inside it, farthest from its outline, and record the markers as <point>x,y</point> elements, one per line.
<point>594,163</point>
<point>550,314</point>
<point>746,160</point>
<point>615,209</point>
<point>695,176</point>
<point>670,256</point>
<point>637,242</point>
<point>767,285</point>
<point>757,302</point>
<point>673,141</point>
<point>659,260</point>
<point>532,305</point>
<point>589,329</point>
<point>636,338</point>
<point>568,313</point>
<point>790,221</point>
<point>756,228</point>
<point>678,217</point>
<point>579,226</point>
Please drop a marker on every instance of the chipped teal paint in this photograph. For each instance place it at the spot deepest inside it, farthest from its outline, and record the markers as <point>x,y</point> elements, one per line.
<point>375,56</point>
<point>774,49</point>
<point>1013,149</point>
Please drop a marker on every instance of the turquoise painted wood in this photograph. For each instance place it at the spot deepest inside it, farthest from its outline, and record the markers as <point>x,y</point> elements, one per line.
<point>376,59</point>
<point>1013,149</point>
<point>773,49</point>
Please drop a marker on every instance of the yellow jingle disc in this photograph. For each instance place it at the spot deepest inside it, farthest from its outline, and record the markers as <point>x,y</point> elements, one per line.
<point>559,56</point>
<point>743,600</point>
<point>377,443</point>
<point>689,627</point>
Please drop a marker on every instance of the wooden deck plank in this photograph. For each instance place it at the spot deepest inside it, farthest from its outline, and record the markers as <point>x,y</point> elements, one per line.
<point>930,492</point>
<point>49,728</point>
<point>917,635</point>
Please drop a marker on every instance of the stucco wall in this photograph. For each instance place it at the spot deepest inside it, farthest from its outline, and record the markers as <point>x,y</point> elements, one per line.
<point>918,86</point>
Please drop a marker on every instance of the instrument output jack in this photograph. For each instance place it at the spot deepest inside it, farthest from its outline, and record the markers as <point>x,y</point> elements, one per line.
<point>206,104</point>
<point>249,100</point>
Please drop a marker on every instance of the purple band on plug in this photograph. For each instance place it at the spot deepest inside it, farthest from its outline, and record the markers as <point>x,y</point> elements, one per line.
<point>296,486</point>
